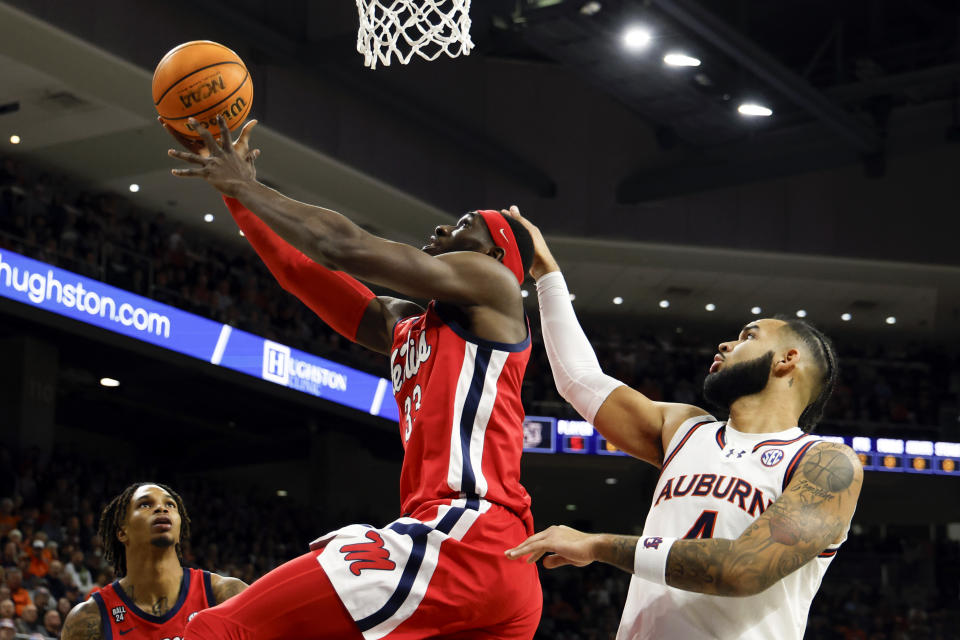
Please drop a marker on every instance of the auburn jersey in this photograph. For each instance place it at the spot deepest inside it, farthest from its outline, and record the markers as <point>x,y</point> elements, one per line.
<point>123,619</point>
<point>715,481</point>
<point>461,418</point>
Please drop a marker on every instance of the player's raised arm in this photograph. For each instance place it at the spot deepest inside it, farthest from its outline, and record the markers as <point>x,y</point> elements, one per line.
<point>811,515</point>
<point>326,237</point>
<point>624,416</point>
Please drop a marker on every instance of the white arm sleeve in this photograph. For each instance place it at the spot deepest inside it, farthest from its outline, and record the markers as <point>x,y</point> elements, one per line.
<point>576,371</point>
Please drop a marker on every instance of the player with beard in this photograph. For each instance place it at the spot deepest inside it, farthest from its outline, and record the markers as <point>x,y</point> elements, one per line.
<point>143,530</point>
<point>753,507</point>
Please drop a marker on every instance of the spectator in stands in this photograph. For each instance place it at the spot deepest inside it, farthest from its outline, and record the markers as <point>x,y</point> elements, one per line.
<point>11,554</point>
<point>52,623</point>
<point>8,630</point>
<point>39,558</point>
<point>29,621</point>
<point>8,519</point>
<point>20,596</point>
<point>42,600</point>
<point>79,574</point>
<point>8,610</point>
<point>56,580</point>
<point>64,606</point>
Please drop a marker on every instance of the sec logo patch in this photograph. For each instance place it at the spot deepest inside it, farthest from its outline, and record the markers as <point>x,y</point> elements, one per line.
<point>771,457</point>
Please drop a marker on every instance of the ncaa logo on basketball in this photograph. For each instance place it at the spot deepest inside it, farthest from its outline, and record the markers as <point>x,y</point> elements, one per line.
<point>772,457</point>
<point>275,358</point>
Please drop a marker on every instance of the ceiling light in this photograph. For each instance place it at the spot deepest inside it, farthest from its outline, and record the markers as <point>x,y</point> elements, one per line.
<point>524,293</point>
<point>618,300</point>
<point>681,60</point>
<point>891,320</point>
<point>591,8</point>
<point>281,493</point>
<point>636,38</point>
<point>109,382</point>
<point>14,139</point>
<point>243,235</point>
<point>756,311</point>
<point>134,187</point>
<point>208,217</point>
<point>710,306</point>
<point>846,317</point>
<point>801,313</point>
<point>573,297</point>
<point>610,481</point>
<point>571,507</point>
<point>753,109</point>
<point>664,304</point>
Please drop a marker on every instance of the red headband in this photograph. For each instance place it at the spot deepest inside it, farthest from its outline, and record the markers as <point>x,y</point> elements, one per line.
<point>503,237</point>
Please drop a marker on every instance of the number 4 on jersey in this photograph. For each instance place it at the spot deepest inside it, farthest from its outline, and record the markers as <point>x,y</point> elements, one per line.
<point>703,527</point>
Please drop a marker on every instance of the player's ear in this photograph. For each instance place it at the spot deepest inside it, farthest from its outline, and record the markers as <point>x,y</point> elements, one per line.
<point>786,363</point>
<point>122,535</point>
<point>496,253</point>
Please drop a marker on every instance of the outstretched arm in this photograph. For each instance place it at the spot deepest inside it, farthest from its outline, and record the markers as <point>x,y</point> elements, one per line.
<point>328,238</point>
<point>812,514</point>
<point>624,416</point>
<point>83,623</point>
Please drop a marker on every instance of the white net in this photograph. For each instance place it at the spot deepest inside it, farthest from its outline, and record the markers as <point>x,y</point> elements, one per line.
<point>402,28</point>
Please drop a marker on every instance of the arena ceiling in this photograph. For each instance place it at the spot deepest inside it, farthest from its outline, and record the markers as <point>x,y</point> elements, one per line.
<point>649,183</point>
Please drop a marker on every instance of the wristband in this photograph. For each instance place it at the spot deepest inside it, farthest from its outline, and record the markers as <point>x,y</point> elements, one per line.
<point>650,558</point>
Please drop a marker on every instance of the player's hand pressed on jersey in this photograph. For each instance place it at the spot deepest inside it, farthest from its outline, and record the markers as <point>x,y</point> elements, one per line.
<point>543,261</point>
<point>226,165</point>
<point>567,547</point>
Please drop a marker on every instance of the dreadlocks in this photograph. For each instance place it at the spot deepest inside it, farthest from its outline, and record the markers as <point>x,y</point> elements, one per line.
<point>825,356</point>
<point>115,515</point>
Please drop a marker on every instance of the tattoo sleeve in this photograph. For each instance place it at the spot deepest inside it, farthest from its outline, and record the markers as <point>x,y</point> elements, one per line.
<point>83,623</point>
<point>812,514</point>
<point>618,551</point>
<point>226,588</point>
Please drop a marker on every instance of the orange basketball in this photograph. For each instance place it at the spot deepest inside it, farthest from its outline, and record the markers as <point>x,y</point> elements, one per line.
<point>202,79</point>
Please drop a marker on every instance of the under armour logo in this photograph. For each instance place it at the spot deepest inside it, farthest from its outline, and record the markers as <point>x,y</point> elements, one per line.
<point>652,543</point>
<point>504,234</point>
<point>739,453</point>
<point>368,555</point>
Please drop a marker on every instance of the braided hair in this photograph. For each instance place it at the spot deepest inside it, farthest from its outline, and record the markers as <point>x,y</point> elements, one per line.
<point>825,356</point>
<point>115,515</point>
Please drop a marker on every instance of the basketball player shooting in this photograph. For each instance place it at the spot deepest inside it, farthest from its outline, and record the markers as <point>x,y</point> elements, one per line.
<point>143,529</point>
<point>754,507</point>
<point>456,368</point>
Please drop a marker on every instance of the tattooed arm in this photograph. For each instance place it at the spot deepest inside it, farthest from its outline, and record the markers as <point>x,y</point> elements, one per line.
<point>224,588</point>
<point>83,622</point>
<point>812,514</point>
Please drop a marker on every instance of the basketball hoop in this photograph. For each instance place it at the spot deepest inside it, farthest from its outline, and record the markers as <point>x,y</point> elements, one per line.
<point>401,28</point>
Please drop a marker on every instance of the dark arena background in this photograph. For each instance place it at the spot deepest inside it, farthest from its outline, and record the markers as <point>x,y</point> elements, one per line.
<point>676,215</point>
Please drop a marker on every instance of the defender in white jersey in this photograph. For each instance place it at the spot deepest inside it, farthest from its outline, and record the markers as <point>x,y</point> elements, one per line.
<point>754,507</point>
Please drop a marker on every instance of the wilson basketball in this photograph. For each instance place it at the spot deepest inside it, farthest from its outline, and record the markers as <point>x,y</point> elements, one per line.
<point>202,79</point>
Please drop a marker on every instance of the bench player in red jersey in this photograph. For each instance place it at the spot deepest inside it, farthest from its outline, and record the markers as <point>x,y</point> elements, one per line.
<point>456,367</point>
<point>142,530</point>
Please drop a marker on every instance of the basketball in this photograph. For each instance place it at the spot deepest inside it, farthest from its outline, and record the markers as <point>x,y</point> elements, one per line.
<point>202,79</point>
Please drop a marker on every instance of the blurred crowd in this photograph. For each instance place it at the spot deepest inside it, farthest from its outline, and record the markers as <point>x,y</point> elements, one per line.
<point>885,584</point>
<point>105,236</point>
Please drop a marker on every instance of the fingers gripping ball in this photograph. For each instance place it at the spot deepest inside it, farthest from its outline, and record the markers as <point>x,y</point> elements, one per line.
<point>202,79</point>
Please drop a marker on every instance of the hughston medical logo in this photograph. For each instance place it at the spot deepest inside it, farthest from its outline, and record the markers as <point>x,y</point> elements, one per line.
<point>281,367</point>
<point>46,290</point>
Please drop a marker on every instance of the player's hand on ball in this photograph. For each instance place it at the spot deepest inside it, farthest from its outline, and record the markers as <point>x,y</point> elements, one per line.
<point>567,546</point>
<point>543,261</point>
<point>226,165</point>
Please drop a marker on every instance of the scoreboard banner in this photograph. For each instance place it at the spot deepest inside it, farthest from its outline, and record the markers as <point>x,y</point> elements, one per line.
<point>95,303</point>
<point>92,302</point>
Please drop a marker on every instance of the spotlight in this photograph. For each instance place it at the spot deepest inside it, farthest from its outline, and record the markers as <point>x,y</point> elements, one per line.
<point>14,139</point>
<point>753,109</point>
<point>134,188</point>
<point>571,507</point>
<point>846,317</point>
<point>618,300</point>
<point>524,293</point>
<point>756,311</point>
<point>664,304</point>
<point>681,60</point>
<point>636,38</point>
<point>801,313</point>
<point>591,8</point>
<point>610,481</point>
<point>710,307</point>
<point>891,320</point>
<point>109,382</point>
<point>208,217</point>
<point>281,493</point>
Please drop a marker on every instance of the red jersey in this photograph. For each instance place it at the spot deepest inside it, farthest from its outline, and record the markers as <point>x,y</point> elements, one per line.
<point>123,619</point>
<point>461,418</point>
